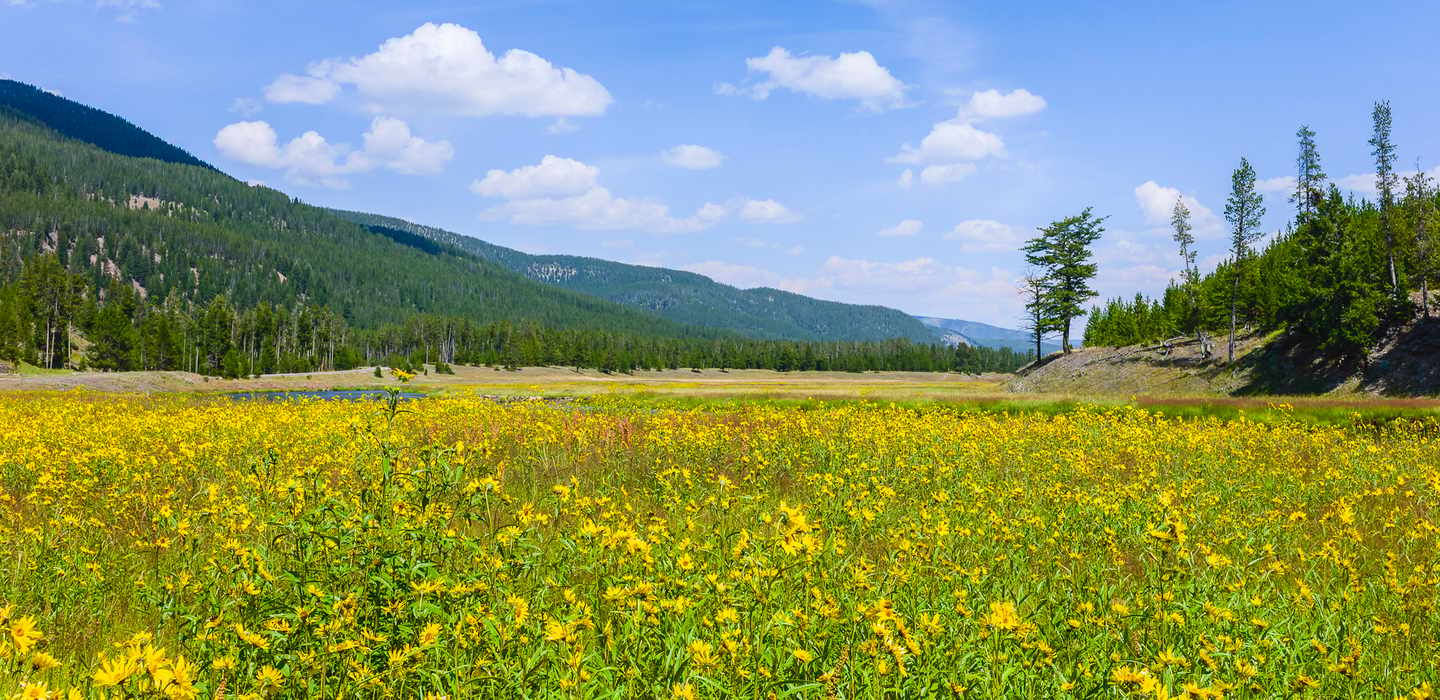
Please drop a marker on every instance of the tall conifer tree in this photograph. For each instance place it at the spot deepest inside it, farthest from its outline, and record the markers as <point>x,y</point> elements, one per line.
<point>1062,251</point>
<point>1243,210</point>
<point>1385,183</point>
<point>1309,176</point>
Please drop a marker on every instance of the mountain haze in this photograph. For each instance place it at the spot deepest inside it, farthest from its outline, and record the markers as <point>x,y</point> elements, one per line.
<point>985,335</point>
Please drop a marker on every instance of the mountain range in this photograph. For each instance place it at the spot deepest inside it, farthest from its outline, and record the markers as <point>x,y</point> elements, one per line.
<point>985,335</point>
<point>130,207</point>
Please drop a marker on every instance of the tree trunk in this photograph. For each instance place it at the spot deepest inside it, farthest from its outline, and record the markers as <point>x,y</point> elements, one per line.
<point>1425,295</point>
<point>1234,292</point>
<point>1065,339</point>
<point>1394,280</point>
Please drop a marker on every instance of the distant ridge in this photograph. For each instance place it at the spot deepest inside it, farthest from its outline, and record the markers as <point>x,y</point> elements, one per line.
<point>986,335</point>
<point>83,123</point>
<point>677,295</point>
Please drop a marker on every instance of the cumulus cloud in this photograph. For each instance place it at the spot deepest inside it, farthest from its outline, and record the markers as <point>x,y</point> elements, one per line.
<point>301,88</point>
<point>849,76</point>
<point>598,209</point>
<point>692,157</point>
<point>390,142</point>
<point>1157,203</point>
<point>953,145</point>
<point>552,176</point>
<point>1284,183</point>
<point>952,141</point>
<point>448,68</point>
<point>918,284</point>
<point>566,192</point>
<point>921,284</point>
<point>311,159</point>
<point>766,211</point>
<point>993,104</point>
<point>1360,183</point>
<point>986,236</point>
<point>907,227</point>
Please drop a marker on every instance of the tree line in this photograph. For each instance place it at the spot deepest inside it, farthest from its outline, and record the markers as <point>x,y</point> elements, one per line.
<point>1342,271</point>
<point>52,317</point>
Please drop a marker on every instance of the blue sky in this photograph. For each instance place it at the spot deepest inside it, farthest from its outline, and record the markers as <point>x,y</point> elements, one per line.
<point>761,143</point>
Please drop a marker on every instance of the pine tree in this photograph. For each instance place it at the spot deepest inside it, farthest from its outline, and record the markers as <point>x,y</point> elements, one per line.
<point>1190,274</point>
<point>1038,321</point>
<point>1243,210</point>
<point>1385,181</point>
<point>1420,206</point>
<point>1309,177</point>
<point>1062,252</point>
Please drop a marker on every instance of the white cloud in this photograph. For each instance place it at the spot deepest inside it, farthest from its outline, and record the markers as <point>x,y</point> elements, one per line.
<point>766,211</point>
<point>921,284</point>
<point>1157,203</point>
<point>692,157</point>
<point>565,192</point>
<point>390,142</point>
<point>907,179</point>
<point>986,236</point>
<point>552,176</point>
<point>1360,183</point>
<point>311,159</point>
<point>446,67</point>
<point>951,144</point>
<point>301,88</point>
<point>1363,183</point>
<point>1284,183</point>
<point>849,76</point>
<point>907,227</point>
<point>993,104</point>
<point>597,209</point>
<point>952,141</point>
<point>941,174</point>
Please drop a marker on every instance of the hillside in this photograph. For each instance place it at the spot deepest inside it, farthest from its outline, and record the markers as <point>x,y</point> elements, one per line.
<point>986,335</point>
<point>683,297</point>
<point>83,123</point>
<point>166,228</point>
<point>1402,364</point>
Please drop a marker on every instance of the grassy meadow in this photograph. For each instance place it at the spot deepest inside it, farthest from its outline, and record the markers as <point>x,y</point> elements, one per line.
<point>182,546</point>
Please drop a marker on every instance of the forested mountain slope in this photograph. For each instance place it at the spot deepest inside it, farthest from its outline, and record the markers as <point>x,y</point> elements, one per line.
<point>83,123</point>
<point>683,297</point>
<point>167,228</point>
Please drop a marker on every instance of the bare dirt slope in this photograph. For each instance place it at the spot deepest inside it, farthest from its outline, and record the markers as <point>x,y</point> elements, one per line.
<point>1406,362</point>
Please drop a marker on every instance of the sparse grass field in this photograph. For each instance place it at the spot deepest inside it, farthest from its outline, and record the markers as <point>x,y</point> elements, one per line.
<point>745,537</point>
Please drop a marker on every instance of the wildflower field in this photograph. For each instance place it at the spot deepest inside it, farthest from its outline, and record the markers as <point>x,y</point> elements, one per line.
<point>187,547</point>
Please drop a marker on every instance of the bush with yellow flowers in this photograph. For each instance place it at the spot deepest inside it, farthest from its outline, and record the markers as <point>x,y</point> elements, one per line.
<point>180,547</point>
